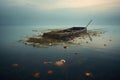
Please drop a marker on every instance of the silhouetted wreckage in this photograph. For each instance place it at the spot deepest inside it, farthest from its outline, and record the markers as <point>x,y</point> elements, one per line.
<point>59,35</point>
<point>65,34</point>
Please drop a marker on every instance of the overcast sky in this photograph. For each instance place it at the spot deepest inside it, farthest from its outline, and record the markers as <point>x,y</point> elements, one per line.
<point>63,12</point>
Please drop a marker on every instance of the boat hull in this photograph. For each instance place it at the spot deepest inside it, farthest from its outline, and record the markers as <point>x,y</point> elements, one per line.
<point>65,34</point>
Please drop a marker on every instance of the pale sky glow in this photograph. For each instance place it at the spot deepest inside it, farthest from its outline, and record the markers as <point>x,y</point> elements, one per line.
<point>81,3</point>
<point>57,4</point>
<point>61,11</point>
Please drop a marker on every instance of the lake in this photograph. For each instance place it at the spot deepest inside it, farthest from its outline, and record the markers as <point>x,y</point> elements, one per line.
<point>98,59</point>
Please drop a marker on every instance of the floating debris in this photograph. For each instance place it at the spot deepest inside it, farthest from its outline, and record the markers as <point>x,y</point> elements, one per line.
<point>42,41</point>
<point>76,53</point>
<point>50,44</point>
<point>15,65</point>
<point>45,62</point>
<point>105,44</point>
<point>36,75</point>
<point>50,72</point>
<point>60,62</point>
<point>88,74</point>
<point>29,43</point>
<point>65,47</point>
<point>74,35</point>
<point>63,60</point>
<point>65,34</point>
<point>87,42</point>
<point>94,34</point>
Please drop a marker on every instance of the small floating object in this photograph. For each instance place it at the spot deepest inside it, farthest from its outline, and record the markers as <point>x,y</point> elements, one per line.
<point>75,53</point>
<point>94,34</point>
<point>50,44</point>
<point>65,47</point>
<point>37,44</point>
<point>29,43</point>
<point>50,72</point>
<point>45,62</point>
<point>88,74</point>
<point>15,65</point>
<point>36,75</point>
<point>60,62</point>
<point>105,45</point>
<point>86,41</point>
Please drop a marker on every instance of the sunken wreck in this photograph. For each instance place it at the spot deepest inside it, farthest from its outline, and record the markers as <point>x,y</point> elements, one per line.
<point>58,36</point>
<point>66,34</point>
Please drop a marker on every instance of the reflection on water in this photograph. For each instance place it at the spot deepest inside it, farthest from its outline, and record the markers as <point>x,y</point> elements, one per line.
<point>84,60</point>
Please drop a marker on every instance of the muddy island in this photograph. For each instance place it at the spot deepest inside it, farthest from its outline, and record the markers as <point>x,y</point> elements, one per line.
<point>59,36</point>
<point>66,34</point>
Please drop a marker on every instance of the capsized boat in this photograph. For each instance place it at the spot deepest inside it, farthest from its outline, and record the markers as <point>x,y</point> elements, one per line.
<point>66,34</point>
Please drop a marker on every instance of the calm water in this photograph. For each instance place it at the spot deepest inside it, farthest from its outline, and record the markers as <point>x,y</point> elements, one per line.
<point>103,62</point>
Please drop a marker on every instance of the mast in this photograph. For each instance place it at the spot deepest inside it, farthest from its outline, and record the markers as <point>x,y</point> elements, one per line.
<point>87,32</point>
<point>88,23</point>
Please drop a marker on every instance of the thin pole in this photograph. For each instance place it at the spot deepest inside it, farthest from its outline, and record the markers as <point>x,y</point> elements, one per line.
<point>88,23</point>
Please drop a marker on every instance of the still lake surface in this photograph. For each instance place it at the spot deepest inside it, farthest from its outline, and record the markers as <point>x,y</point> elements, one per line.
<point>102,62</point>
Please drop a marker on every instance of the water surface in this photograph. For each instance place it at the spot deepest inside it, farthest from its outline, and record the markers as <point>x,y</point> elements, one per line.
<point>103,62</point>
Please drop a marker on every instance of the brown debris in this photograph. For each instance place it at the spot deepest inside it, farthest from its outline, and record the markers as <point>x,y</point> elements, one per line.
<point>87,42</point>
<point>65,47</point>
<point>76,53</point>
<point>14,65</point>
<point>60,62</point>
<point>105,45</point>
<point>94,34</point>
<point>50,72</point>
<point>36,75</point>
<point>55,37</point>
<point>45,62</point>
<point>88,74</point>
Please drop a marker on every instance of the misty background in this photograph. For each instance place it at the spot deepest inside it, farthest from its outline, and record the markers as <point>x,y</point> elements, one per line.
<point>60,12</point>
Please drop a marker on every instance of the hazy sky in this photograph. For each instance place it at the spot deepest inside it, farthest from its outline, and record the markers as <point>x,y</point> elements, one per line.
<point>63,12</point>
